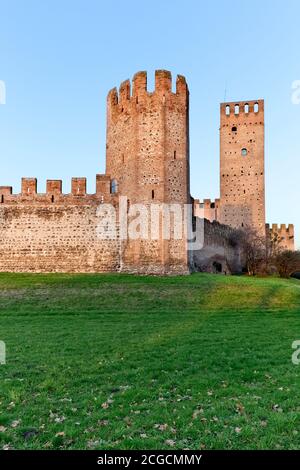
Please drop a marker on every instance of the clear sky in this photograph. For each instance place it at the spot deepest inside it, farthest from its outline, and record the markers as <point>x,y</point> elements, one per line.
<point>58,60</point>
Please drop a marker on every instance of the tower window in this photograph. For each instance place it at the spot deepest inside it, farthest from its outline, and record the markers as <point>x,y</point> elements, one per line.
<point>246,109</point>
<point>174,154</point>
<point>227,110</point>
<point>236,109</point>
<point>256,108</point>
<point>114,187</point>
<point>234,129</point>
<point>244,152</point>
<point>152,193</point>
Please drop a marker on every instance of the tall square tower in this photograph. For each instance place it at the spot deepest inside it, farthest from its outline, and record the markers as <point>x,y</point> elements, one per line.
<point>147,157</point>
<point>242,174</point>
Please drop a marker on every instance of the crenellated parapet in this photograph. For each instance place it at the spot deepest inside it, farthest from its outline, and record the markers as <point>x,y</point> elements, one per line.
<point>282,234</point>
<point>54,194</point>
<point>134,94</point>
<point>207,209</point>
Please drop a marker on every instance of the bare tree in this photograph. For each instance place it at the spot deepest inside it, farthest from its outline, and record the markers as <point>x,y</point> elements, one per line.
<point>253,247</point>
<point>287,262</point>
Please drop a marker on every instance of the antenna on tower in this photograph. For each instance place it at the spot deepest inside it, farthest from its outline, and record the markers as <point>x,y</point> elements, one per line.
<point>225,92</point>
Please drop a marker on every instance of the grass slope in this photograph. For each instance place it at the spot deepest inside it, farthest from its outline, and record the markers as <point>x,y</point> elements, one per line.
<point>127,362</point>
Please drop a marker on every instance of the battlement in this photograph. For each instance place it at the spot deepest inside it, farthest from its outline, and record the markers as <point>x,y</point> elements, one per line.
<point>281,228</point>
<point>207,209</point>
<point>209,203</point>
<point>285,235</point>
<point>54,192</point>
<point>135,92</point>
<point>242,108</point>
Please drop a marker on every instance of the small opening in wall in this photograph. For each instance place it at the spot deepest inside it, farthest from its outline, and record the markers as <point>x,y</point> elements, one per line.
<point>234,129</point>
<point>227,110</point>
<point>256,108</point>
<point>174,154</point>
<point>217,267</point>
<point>52,198</point>
<point>152,193</point>
<point>114,186</point>
<point>246,109</point>
<point>244,152</point>
<point>2,198</point>
<point>236,109</point>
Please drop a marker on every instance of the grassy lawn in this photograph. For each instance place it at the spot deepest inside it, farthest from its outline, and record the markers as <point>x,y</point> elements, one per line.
<point>127,362</point>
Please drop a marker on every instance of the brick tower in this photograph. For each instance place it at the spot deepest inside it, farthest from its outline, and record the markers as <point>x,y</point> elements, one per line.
<point>242,177</point>
<point>147,159</point>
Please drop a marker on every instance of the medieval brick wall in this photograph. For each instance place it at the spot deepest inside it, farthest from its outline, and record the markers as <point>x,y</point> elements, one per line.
<point>147,161</point>
<point>281,236</point>
<point>221,251</point>
<point>242,178</point>
<point>207,209</point>
<point>55,232</point>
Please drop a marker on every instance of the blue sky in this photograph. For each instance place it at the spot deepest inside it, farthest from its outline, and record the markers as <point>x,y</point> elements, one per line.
<point>58,60</point>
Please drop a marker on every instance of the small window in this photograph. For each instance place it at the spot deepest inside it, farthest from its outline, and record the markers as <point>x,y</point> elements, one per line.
<point>236,109</point>
<point>256,108</point>
<point>52,198</point>
<point>227,110</point>
<point>246,109</point>
<point>234,129</point>
<point>174,154</point>
<point>152,193</point>
<point>114,187</point>
<point>244,152</point>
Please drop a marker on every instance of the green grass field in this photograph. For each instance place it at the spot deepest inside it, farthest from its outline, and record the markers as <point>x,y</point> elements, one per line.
<point>128,362</point>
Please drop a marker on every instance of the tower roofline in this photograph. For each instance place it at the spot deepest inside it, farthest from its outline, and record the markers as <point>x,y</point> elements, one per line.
<point>243,102</point>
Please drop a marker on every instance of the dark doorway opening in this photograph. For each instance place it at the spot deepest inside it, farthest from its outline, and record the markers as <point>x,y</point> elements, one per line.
<point>217,267</point>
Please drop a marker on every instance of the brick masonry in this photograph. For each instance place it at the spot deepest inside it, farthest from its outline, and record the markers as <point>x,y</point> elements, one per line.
<point>242,173</point>
<point>147,161</point>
